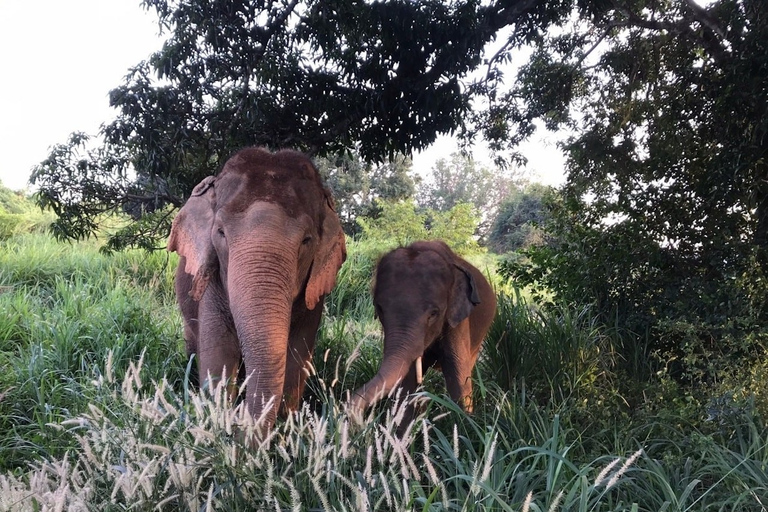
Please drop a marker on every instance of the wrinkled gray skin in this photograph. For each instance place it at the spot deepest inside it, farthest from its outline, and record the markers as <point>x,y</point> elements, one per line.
<point>435,305</point>
<point>259,247</point>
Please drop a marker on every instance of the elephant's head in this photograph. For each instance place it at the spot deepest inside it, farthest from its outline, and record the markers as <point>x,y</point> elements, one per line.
<point>421,293</point>
<point>262,242</point>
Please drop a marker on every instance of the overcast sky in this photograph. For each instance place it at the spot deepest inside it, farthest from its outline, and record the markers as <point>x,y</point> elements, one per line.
<point>60,58</point>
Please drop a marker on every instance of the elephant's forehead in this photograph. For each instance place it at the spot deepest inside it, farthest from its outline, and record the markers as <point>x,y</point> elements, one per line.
<point>413,264</point>
<point>292,191</point>
<point>411,257</point>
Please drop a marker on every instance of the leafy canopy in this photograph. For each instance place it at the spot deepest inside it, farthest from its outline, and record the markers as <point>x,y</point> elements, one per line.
<point>663,221</point>
<point>356,185</point>
<point>460,179</point>
<point>521,216</point>
<point>321,77</point>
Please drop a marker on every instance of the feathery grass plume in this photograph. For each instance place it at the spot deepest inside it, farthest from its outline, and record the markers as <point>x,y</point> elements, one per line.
<point>345,440</point>
<point>455,442</point>
<point>527,502</point>
<point>425,436</point>
<point>378,442</point>
<point>109,369</point>
<point>368,471</point>
<point>474,488</point>
<point>49,488</point>
<point>387,492</point>
<point>209,500</point>
<point>269,482</point>
<point>353,356</point>
<point>317,486</point>
<point>627,464</point>
<point>491,451</point>
<point>361,498</point>
<point>556,502</point>
<point>605,471</point>
<point>480,474</point>
<point>431,471</point>
<point>296,505</point>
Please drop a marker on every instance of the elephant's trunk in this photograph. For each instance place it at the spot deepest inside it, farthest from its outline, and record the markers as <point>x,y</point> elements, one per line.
<point>400,354</point>
<point>261,286</point>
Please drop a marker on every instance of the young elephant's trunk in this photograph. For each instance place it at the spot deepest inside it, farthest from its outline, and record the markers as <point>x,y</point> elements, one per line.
<point>388,376</point>
<point>399,356</point>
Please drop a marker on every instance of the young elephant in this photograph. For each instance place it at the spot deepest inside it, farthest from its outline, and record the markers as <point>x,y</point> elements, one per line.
<point>436,309</point>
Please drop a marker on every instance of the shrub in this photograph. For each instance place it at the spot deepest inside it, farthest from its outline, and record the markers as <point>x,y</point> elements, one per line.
<point>559,352</point>
<point>19,215</point>
<point>400,223</point>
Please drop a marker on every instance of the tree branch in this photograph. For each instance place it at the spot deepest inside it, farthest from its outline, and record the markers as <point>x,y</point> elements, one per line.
<point>703,17</point>
<point>682,28</point>
<point>600,39</point>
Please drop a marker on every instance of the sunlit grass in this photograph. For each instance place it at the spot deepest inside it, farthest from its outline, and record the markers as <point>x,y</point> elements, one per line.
<point>95,413</point>
<point>63,308</point>
<point>142,444</point>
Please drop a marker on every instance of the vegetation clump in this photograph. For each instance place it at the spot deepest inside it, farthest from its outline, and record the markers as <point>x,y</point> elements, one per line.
<point>99,413</point>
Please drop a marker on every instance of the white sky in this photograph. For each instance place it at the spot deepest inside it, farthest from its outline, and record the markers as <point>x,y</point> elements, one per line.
<point>60,59</point>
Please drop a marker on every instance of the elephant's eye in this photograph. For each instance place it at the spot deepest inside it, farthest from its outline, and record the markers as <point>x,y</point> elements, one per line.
<point>221,233</point>
<point>306,240</point>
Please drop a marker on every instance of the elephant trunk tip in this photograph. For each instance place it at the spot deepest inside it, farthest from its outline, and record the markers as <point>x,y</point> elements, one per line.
<point>367,394</point>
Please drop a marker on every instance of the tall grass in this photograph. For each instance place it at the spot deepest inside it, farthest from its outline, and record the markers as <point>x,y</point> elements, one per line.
<point>142,445</point>
<point>559,351</point>
<point>95,413</point>
<point>63,308</point>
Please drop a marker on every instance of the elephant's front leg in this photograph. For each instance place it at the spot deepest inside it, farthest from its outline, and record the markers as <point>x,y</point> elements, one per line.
<point>218,349</point>
<point>301,345</point>
<point>457,362</point>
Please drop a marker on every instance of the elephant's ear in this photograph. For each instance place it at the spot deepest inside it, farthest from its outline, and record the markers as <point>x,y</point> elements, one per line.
<point>465,296</point>
<point>191,236</point>
<point>331,253</point>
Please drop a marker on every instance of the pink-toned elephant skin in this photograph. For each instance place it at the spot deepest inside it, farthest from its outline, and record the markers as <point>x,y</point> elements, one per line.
<point>260,245</point>
<point>436,309</point>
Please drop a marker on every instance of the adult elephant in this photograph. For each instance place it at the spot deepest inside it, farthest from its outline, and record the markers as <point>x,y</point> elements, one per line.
<point>435,308</point>
<point>260,245</point>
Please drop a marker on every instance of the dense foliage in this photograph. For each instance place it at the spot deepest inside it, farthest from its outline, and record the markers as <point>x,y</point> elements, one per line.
<point>460,179</point>
<point>384,77</point>
<point>357,185</point>
<point>662,223</point>
<point>520,219</point>
<point>401,222</point>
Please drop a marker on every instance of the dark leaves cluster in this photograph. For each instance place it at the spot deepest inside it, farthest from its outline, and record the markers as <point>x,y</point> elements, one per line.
<point>664,216</point>
<point>322,77</point>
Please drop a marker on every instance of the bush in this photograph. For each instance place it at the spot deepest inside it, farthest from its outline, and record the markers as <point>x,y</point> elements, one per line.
<point>20,215</point>
<point>400,223</point>
<point>556,354</point>
<point>517,224</point>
